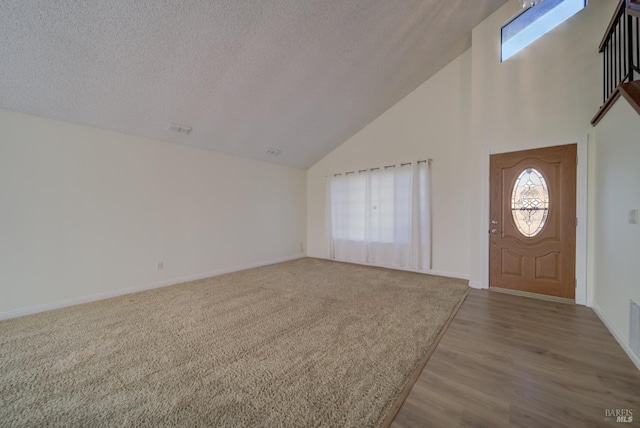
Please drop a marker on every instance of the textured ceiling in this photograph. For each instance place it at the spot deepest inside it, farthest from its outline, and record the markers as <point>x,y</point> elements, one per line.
<point>299,76</point>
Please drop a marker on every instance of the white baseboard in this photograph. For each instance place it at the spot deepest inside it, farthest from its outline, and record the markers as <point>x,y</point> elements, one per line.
<point>616,333</point>
<point>424,271</point>
<point>115,293</point>
<point>479,284</point>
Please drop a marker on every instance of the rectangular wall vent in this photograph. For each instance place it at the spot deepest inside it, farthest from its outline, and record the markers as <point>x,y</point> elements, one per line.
<point>634,328</point>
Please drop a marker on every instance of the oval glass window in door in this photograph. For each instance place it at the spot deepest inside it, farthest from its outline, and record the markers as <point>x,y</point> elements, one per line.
<point>530,202</point>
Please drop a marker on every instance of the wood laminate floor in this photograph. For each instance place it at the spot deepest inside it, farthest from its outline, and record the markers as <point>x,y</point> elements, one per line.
<point>512,361</point>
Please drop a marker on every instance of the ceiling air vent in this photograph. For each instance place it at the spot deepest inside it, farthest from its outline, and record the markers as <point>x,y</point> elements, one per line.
<point>183,129</point>
<point>273,152</point>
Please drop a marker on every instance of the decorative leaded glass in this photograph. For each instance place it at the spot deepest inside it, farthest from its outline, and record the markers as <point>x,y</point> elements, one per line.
<point>530,202</point>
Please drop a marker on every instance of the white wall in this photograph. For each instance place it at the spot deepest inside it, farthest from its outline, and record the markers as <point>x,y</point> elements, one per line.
<point>545,95</point>
<point>431,122</point>
<point>89,212</point>
<point>616,250</point>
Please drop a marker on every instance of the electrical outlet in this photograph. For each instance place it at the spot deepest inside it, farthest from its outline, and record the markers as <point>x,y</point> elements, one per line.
<point>301,247</point>
<point>633,217</point>
<point>159,265</point>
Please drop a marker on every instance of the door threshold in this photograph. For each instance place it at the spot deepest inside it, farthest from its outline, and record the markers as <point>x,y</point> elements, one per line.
<point>533,295</point>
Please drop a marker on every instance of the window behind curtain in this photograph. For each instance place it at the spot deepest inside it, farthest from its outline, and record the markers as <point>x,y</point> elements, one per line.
<point>381,216</point>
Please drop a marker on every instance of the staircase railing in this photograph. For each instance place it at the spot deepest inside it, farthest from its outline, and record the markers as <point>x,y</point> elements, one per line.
<point>621,48</point>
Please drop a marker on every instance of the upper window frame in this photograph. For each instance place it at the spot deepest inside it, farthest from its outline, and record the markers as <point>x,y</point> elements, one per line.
<point>536,21</point>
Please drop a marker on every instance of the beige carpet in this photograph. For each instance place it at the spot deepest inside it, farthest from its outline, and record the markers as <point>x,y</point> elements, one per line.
<point>299,344</point>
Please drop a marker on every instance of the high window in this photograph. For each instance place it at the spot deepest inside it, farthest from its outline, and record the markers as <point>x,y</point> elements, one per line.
<point>534,22</point>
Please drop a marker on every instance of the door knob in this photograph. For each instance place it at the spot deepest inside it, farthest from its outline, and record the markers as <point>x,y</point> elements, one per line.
<point>494,221</point>
<point>494,231</point>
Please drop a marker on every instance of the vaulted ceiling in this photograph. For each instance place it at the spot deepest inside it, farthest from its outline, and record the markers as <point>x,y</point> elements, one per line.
<point>298,76</point>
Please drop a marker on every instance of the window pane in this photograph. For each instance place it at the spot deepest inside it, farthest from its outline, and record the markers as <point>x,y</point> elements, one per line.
<point>402,206</point>
<point>536,21</point>
<point>373,207</point>
<point>530,202</point>
<point>348,207</point>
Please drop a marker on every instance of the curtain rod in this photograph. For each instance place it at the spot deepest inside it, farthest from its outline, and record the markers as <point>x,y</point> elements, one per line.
<point>385,167</point>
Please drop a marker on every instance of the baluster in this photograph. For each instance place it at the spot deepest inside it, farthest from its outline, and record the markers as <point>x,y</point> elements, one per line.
<point>625,49</point>
<point>611,78</point>
<point>637,44</point>
<point>604,77</point>
<point>615,57</point>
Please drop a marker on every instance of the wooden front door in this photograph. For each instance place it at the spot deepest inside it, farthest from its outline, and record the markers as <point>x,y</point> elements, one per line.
<point>533,221</point>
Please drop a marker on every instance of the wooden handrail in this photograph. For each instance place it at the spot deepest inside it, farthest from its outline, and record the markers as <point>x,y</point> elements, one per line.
<point>630,91</point>
<point>620,68</point>
<point>612,23</point>
<point>633,8</point>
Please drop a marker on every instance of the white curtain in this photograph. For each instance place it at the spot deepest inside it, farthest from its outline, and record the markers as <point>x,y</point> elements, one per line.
<point>381,216</point>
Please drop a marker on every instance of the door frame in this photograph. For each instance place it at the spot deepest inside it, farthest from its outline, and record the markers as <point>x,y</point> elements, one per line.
<point>581,209</point>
